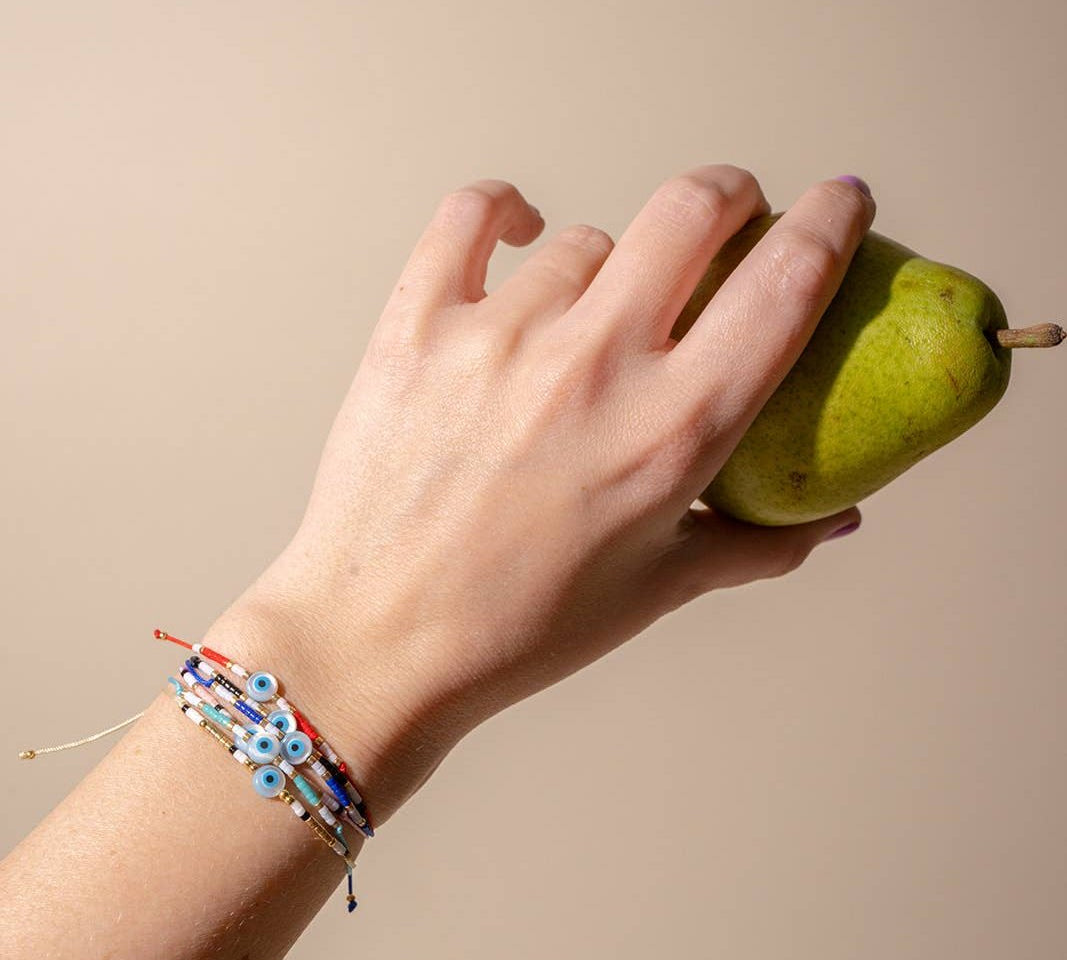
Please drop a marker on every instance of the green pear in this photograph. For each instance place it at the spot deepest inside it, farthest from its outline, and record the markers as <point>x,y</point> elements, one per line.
<point>909,354</point>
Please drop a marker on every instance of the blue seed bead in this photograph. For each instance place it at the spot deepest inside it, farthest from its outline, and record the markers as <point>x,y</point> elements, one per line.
<point>263,748</point>
<point>254,715</point>
<point>283,720</point>
<point>261,686</point>
<point>338,790</point>
<point>268,781</point>
<point>296,747</point>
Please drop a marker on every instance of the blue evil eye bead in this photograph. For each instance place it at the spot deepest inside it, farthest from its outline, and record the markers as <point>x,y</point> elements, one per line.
<point>262,748</point>
<point>283,720</point>
<point>261,686</point>
<point>268,781</point>
<point>296,747</point>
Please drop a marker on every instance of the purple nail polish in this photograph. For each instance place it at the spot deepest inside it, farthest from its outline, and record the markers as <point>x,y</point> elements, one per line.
<point>843,531</point>
<point>859,184</point>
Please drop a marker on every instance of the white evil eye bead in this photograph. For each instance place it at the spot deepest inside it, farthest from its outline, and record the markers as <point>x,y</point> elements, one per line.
<point>296,747</point>
<point>268,781</point>
<point>262,748</point>
<point>261,685</point>
<point>283,720</point>
<point>242,733</point>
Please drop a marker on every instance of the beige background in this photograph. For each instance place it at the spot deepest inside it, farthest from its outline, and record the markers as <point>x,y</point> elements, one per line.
<point>202,209</point>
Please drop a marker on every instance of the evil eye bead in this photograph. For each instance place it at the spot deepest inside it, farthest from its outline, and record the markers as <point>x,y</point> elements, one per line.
<point>261,686</point>
<point>268,781</point>
<point>283,720</point>
<point>262,748</point>
<point>296,747</point>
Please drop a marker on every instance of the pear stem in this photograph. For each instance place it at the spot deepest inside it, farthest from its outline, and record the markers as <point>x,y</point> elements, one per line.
<point>1040,335</point>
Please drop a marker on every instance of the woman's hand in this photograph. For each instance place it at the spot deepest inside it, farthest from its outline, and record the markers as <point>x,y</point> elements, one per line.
<point>506,492</point>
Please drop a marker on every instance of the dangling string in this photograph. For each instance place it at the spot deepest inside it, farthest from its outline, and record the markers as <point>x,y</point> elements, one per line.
<point>352,902</point>
<point>30,754</point>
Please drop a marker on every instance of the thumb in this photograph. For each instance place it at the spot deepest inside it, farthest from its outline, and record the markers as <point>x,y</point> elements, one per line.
<point>715,550</point>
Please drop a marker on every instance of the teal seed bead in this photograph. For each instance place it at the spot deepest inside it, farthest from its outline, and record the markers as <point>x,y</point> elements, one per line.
<point>305,788</point>
<point>283,720</point>
<point>268,781</point>
<point>297,747</point>
<point>261,686</point>
<point>263,748</point>
<point>216,715</point>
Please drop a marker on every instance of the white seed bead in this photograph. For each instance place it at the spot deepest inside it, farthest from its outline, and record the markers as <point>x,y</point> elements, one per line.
<point>287,768</point>
<point>241,757</point>
<point>193,716</point>
<point>328,818</point>
<point>191,697</point>
<point>283,704</point>
<point>239,670</point>
<point>331,800</point>
<point>298,808</point>
<point>339,847</point>
<point>225,694</point>
<point>197,647</point>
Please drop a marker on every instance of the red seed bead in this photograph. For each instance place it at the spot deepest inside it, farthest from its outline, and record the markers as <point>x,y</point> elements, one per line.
<point>214,655</point>
<point>302,723</point>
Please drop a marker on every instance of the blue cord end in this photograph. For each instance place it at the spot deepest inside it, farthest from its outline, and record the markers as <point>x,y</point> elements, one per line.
<point>351,898</point>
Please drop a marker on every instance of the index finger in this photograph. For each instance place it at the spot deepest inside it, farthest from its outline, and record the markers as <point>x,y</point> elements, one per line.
<point>758,322</point>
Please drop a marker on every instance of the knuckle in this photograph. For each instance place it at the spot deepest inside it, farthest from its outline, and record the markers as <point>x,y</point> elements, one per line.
<point>790,559</point>
<point>693,195</point>
<point>398,343</point>
<point>742,179</point>
<point>840,196</point>
<point>473,201</point>
<point>587,237</point>
<point>804,263</point>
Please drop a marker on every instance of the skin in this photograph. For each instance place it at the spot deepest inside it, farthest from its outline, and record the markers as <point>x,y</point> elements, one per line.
<point>446,566</point>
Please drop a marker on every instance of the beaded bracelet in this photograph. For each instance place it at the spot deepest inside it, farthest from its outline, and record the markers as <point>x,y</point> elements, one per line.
<point>269,783</point>
<point>270,745</point>
<point>216,712</point>
<point>299,744</point>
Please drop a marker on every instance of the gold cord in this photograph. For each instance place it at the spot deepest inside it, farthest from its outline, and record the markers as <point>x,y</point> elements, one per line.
<point>30,754</point>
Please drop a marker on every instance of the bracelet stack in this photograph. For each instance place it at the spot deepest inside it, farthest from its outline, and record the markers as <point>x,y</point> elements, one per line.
<point>245,712</point>
<point>271,745</point>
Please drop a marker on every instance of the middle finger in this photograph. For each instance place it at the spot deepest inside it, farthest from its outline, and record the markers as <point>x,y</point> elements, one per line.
<point>646,280</point>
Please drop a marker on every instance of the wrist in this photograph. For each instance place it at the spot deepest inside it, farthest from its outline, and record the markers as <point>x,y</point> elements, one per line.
<point>358,693</point>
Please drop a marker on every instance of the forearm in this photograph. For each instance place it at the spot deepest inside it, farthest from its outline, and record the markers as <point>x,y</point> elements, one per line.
<point>164,849</point>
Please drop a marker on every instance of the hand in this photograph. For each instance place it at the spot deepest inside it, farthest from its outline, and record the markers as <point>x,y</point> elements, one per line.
<point>506,493</point>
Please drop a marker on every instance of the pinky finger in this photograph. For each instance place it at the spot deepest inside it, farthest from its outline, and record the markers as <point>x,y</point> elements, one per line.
<point>714,550</point>
<point>450,261</point>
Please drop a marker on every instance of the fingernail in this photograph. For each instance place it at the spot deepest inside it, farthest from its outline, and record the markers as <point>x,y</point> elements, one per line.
<point>843,531</point>
<point>856,182</point>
